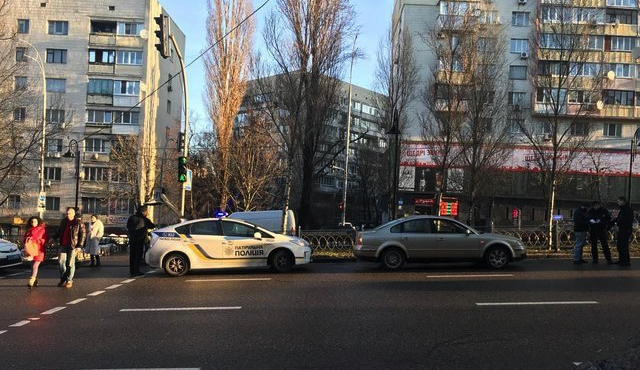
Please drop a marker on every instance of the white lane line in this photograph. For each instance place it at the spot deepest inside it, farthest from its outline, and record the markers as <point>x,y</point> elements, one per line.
<point>34,318</point>
<point>53,310</point>
<point>156,368</point>
<point>468,276</point>
<point>96,293</point>
<point>17,273</point>
<point>20,323</point>
<point>179,309</point>
<point>577,363</point>
<point>248,279</point>
<point>113,286</point>
<point>3,331</point>
<point>127,281</point>
<point>76,301</point>
<point>535,303</point>
<point>3,277</point>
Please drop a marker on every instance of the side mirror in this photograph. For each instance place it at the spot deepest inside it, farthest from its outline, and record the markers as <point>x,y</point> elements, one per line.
<point>257,235</point>
<point>468,232</point>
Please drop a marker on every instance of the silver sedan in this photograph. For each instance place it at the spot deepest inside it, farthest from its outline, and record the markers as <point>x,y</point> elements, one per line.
<point>431,239</point>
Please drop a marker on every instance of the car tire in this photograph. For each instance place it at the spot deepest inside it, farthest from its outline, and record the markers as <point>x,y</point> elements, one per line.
<point>176,264</point>
<point>393,259</point>
<point>282,261</point>
<point>497,257</point>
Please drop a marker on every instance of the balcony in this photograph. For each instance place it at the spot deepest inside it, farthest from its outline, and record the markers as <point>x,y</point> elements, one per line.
<point>111,40</point>
<point>125,100</point>
<point>125,129</point>
<point>620,29</point>
<point>95,157</point>
<point>100,99</point>
<point>102,69</point>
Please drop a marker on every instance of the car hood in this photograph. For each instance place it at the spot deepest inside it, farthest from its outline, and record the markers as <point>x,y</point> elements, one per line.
<point>8,247</point>
<point>491,236</point>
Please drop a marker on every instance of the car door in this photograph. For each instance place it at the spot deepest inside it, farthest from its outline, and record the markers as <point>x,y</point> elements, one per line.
<point>208,240</point>
<point>243,249</point>
<point>454,240</point>
<point>418,238</point>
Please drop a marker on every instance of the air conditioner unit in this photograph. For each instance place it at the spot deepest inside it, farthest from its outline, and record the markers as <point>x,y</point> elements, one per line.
<point>524,55</point>
<point>522,2</point>
<point>95,156</point>
<point>48,184</point>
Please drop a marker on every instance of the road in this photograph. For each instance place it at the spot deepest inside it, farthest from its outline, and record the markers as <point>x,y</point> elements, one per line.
<point>321,316</point>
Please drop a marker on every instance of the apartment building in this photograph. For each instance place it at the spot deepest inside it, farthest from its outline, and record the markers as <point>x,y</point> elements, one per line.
<point>101,70</point>
<point>599,105</point>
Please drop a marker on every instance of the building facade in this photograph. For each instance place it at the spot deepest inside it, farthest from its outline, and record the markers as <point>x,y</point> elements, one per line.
<point>101,70</point>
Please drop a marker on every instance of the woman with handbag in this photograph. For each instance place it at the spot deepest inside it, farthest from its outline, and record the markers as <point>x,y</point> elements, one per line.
<point>35,241</point>
<point>96,232</point>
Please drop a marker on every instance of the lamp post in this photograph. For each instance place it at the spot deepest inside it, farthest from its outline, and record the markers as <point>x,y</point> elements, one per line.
<point>632,154</point>
<point>346,154</point>
<point>396,132</point>
<point>75,154</point>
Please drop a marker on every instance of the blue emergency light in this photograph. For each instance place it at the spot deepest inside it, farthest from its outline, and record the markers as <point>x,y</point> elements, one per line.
<point>221,214</point>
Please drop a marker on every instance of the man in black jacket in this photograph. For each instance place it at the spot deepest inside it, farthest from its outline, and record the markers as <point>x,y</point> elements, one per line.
<point>625,228</point>
<point>137,227</point>
<point>599,220</point>
<point>580,228</point>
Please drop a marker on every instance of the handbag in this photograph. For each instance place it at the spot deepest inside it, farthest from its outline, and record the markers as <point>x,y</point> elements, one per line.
<point>31,248</point>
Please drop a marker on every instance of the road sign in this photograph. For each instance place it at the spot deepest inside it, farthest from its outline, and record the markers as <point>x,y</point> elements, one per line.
<point>42,200</point>
<point>187,184</point>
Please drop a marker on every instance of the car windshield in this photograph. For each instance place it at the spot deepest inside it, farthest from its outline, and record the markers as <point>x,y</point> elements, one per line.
<point>386,224</point>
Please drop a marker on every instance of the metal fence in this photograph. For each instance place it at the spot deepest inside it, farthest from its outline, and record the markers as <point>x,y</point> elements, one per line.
<point>330,242</point>
<point>537,238</point>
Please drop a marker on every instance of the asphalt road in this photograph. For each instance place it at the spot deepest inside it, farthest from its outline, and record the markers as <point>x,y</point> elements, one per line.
<point>539,314</point>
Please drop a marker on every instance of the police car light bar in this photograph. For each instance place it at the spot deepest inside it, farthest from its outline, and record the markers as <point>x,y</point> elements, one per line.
<point>221,214</point>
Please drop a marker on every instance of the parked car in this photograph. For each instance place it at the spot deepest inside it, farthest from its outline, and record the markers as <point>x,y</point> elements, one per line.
<point>9,254</point>
<point>270,220</point>
<point>433,239</point>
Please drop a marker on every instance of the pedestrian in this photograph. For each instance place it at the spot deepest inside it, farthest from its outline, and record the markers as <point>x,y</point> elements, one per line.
<point>70,235</point>
<point>137,227</point>
<point>580,228</point>
<point>599,220</point>
<point>36,234</point>
<point>96,232</point>
<point>624,221</point>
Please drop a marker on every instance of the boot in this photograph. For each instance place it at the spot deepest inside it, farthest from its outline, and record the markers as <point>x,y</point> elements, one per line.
<point>91,265</point>
<point>31,283</point>
<point>97,261</point>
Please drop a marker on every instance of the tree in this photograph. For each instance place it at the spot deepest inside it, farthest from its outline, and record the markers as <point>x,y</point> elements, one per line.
<point>132,171</point>
<point>371,175</point>
<point>227,70</point>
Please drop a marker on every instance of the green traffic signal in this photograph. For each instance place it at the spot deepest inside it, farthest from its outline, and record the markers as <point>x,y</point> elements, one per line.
<point>182,169</point>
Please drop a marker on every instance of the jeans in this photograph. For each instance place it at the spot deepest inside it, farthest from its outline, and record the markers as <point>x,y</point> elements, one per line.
<point>581,240</point>
<point>67,263</point>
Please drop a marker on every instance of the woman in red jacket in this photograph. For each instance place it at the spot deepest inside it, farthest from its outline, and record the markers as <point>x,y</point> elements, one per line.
<point>38,234</point>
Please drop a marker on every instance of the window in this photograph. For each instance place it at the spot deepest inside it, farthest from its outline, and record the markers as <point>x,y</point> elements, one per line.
<point>100,117</point>
<point>133,29</point>
<point>21,83</point>
<point>121,207</point>
<point>95,174</point>
<point>99,56</point>
<point>20,114</point>
<point>420,226</point>
<point>579,129</point>
<point>100,87</point>
<point>625,3</point>
<point>517,98</point>
<point>23,26</point>
<point>596,42</point>
<point>206,228</point>
<point>448,227</point>
<point>56,85</point>
<point>519,45</point>
<point>103,27</point>
<point>127,117</point>
<point>454,65</point>
<point>622,16</point>
<point>618,97</point>
<point>579,96</point>
<point>97,145</point>
<point>168,106</point>
<point>622,43</point>
<point>516,125</point>
<point>92,205</point>
<point>584,69</point>
<point>612,129</point>
<point>520,19</point>
<point>544,127</point>
<point>130,57</point>
<point>55,115</point>
<point>518,72</point>
<point>13,202</point>
<point>52,173</point>
<point>622,70</point>
<point>236,229</point>
<point>58,27</point>
<point>119,176</point>
<point>57,56</point>
<point>327,181</point>
<point>126,87</point>
<point>52,204</point>
<point>53,145</point>
<point>21,54</point>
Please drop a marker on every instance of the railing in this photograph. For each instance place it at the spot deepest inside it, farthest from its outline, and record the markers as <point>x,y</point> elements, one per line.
<point>330,243</point>
<point>537,238</point>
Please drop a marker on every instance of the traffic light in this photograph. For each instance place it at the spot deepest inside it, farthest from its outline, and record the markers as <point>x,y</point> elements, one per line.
<point>180,141</point>
<point>182,169</point>
<point>162,34</point>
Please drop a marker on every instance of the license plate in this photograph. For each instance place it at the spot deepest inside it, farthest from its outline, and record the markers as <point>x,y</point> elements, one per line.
<point>13,257</point>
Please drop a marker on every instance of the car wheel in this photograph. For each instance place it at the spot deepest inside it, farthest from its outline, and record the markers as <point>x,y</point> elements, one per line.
<point>497,257</point>
<point>393,259</point>
<point>282,261</point>
<point>176,264</point>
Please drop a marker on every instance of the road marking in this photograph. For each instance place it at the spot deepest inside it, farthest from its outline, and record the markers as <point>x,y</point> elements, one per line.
<point>156,368</point>
<point>76,301</point>
<point>17,273</point>
<point>179,309</point>
<point>535,303</point>
<point>127,281</point>
<point>3,331</point>
<point>34,318</point>
<point>20,323</point>
<point>248,279</point>
<point>95,293</point>
<point>53,310</point>
<point>113,286</point>
<point>468,276</point>
<point>577,363</point>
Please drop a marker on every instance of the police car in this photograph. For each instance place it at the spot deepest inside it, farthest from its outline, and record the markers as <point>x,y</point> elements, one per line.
<point>223,243</point>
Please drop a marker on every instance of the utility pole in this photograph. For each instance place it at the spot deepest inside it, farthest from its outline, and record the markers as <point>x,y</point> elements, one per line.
<point>346,154</point>
<point>185,149</point>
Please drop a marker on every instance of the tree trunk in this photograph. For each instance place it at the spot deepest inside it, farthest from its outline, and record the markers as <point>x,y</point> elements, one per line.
<point>285,208</point>
<point>551,242</point>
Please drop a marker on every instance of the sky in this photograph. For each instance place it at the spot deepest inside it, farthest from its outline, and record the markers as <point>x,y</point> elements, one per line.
<point>372,16</point>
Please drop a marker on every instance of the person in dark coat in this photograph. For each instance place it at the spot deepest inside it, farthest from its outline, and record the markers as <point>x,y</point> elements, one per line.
<point>137,227</point>
<point>580,228</point>
<point>624,221</point>
<point>70,235</point>
<point>599,220</point>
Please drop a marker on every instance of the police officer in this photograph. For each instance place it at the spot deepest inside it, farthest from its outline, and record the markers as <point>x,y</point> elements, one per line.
<point>599,220</point>
<point>137,227</point>
<point>625,228</point>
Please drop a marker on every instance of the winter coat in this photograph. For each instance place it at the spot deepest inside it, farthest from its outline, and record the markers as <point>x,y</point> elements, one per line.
<point>580,220</point>
<point>39,235</point>
<point>601,217</point>
<point>625,218</point>
<point>78,234</point>
<point>96,232</point>
<point>137,227</point>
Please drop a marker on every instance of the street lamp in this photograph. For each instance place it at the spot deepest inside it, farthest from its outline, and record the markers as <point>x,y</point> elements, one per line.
<point>75,154</point>
<point>346,154</point>
<point>632,154</point>
<point>395,131</point>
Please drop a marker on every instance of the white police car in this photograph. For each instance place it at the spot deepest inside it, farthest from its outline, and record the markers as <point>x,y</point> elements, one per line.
<point>223,243</point>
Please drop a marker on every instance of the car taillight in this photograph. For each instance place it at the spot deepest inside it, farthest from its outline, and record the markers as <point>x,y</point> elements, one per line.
<point>359,239</point>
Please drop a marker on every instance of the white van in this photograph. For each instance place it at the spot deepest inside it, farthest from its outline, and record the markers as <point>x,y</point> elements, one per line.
<point>270,220</point>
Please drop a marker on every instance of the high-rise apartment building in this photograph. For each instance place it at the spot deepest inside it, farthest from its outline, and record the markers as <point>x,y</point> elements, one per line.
<point>101,70</point>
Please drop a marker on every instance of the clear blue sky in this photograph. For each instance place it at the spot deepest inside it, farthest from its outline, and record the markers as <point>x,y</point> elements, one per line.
<point>373,17</point>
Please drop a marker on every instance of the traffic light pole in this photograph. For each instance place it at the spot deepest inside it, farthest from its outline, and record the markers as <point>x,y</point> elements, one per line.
<point>185,145</point>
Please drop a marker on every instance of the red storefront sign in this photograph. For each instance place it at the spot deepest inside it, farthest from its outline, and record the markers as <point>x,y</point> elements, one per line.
<point>424,201</point>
